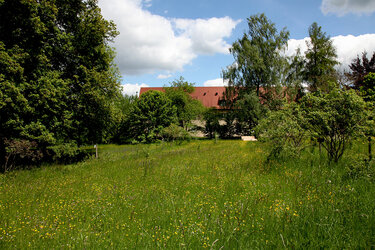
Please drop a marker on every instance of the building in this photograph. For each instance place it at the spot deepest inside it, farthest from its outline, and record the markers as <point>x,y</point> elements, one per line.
<point>210,97</point>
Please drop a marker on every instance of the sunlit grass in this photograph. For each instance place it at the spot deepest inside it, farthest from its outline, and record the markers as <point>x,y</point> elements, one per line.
<point>198,194</point>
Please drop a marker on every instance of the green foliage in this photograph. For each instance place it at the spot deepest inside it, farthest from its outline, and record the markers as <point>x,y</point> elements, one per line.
<point>187,108</point>
<point>212,125</point>
<point>174,132</point>
<point>57,78</point>
<point>152,112</point>
<point>259,68</point>
<point>124,104</point>
<point>258,62</point>
<point>295,77</point>
<point>183,85</point>
<point>283,130</point>
<point>320,59</point>
<point>368,88</point>
<point>334,118</point>
<point>358,167</point>
<point>248,111</point>
<point>67,153</point>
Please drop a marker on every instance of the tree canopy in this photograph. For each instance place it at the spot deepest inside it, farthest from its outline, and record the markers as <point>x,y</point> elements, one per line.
<point>152,112</point>
<point>258,61</point>
<point>187,108</point>
<point>320,59</point>
<point>57,77</point>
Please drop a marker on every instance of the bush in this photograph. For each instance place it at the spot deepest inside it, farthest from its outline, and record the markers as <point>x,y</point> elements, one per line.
<point>174,132</point>
<point>358,166</point>
<point>334,119</point>
<point>21,153</point>
<point>149,115</point>
<point>283,129</point>
<point>67,153</point>
<point>212,126</point>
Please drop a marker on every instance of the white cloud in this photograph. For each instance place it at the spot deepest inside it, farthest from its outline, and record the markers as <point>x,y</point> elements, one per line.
<point>149,42</point>
<point>162,76</point>
<point>207,35</point>
<point>215,82</point>
<point>132,89</point>
<point>342,7</point>
<point>347,47</point>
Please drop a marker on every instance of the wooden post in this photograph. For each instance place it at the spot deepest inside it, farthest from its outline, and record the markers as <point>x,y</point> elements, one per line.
<point>96,151</point>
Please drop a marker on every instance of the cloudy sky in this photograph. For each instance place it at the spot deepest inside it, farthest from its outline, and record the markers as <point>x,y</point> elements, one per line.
<point>161,40</point>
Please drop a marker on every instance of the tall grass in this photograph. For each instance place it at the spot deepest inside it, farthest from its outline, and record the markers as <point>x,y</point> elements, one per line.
<point>199,194</point>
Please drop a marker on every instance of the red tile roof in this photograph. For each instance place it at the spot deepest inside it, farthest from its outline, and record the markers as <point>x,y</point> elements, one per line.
<point>209,96</point>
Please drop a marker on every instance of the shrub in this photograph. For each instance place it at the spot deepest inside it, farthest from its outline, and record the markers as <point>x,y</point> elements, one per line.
<point>334,119</point>
<point>149,115</point>
<point>174,132</point>
<point>20,153</point>
<point>283,129</point>
<point>67,153</point>
<point>358,166</point>
<point>211,118</point>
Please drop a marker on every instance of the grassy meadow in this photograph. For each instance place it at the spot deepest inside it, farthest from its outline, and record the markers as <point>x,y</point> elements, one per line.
<point>200,194</point>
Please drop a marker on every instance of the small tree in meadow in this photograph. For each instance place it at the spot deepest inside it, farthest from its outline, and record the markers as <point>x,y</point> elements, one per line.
<point>283,129</point>
<point>335,118</point>
<point>149,115</point>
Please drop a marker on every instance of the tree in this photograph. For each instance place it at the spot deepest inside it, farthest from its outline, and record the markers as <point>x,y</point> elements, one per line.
<point>57,78</point>
<point>124,105</point>
<point>284,130</point>
<point>152,112</point>
<point>249,111</point>
<point>294,79</point>
<point>187,108</point>
<point>320,59</point>
<point>258,61</point>
<point>336,118</point>
<point>361,68</point>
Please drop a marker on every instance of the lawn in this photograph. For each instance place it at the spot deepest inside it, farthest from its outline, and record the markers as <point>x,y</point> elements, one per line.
<point>200,194</point>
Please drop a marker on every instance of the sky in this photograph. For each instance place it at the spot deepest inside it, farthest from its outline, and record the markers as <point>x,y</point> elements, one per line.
<point>161,40</point>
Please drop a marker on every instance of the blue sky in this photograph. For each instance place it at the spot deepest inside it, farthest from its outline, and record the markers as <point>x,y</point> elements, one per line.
<point>161,40</point>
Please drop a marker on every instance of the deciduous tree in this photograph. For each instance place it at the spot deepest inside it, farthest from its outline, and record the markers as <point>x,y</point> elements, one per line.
<point>335,118</point>
<point>187,108</point>
<point>258,61</point>
<point>152,112</point>
<point>57,78</point>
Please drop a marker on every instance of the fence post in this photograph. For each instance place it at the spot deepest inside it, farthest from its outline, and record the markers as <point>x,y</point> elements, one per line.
<point>96,151</point>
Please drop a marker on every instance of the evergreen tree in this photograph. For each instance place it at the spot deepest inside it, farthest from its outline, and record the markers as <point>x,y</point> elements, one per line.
<point>320,59</point>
